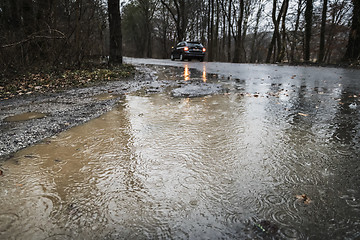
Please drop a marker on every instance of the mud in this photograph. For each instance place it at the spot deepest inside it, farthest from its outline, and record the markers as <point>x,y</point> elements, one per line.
<point>20,127</point>
<point>25,117</point>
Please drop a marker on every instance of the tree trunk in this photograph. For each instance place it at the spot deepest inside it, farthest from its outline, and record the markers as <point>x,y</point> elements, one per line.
<point>246,16</point>
<point>179,16</point>
<point>258,16</point>
<point>295,34</point>
<point>28,16</point>
<point>353,47</point>
<point>183,19</point>
<point>146,10</point>
<point>115,32</point>
<point>216,33</point>
<point>322,32</point>
<point>14,18</point>
<point>229,33</point>
<point>164,23</point>
<point>222,51</point>
<point>237,54</point>
<point>276,34</point>
<point>211,13</point>
<point>308,27</point>
<point>282,44</point>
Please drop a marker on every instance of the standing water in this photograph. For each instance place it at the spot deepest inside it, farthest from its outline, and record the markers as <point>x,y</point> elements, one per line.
<point>264,160</point>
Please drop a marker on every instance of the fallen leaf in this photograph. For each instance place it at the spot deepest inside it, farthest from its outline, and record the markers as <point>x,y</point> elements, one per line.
<point>303,114</point>
<point>304,198</point>
<point>1,172</point>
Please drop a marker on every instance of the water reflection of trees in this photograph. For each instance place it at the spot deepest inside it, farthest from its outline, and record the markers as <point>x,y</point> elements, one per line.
<point>346,120</point>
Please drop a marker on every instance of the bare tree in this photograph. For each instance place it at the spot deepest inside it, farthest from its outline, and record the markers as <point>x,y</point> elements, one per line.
<point>353,47</point>
<point>282,44</point>
<point>178,10</point>
<point>276,35</point>
<point>229,31</point>
<point>237,54</point>
<point>295,33</point>
<point>211,12</point>
<point>115,31</point>
<point>322,32</point>
<point>148,8</point>
<point>227,8</point>
<point>308,28</point>
<point>336,30</point>
<point>28,16</point>
<point>256,28</point>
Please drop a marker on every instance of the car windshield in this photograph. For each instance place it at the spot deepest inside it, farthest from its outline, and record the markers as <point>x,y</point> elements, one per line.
<point>197,45</point>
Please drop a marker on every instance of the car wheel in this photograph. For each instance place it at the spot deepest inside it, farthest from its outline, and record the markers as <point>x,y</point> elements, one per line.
<point>172,57</point>
<point>181,57</point>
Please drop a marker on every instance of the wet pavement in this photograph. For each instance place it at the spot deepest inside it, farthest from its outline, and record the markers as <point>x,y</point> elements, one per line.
<point>188,151</point>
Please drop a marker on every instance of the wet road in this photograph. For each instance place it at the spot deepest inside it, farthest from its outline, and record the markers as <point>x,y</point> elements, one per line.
<point>261,152</point>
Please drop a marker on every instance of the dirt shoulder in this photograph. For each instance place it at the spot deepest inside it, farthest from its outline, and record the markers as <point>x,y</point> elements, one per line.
<point>59,110</point>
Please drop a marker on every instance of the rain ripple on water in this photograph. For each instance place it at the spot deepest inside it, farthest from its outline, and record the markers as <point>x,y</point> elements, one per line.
<point>222,166</point>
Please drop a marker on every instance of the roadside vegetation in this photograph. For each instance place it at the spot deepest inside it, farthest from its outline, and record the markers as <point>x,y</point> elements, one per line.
<point>40,80</point>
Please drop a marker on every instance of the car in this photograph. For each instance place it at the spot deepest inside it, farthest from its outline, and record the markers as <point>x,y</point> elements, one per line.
<point>188,50</point>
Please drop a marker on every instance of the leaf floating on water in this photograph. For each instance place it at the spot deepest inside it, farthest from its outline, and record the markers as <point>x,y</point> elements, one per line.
<point>303,114</point>
<point>304,198</point>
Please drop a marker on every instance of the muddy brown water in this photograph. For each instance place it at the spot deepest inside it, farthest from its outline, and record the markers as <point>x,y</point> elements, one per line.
<point>227,166</point>
<point>25,117</point>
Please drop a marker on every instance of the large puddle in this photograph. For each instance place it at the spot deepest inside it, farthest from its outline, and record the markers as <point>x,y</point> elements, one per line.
<point>282,162</point>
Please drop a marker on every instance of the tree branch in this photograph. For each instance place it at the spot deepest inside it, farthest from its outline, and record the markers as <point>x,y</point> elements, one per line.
<point>36,36</point>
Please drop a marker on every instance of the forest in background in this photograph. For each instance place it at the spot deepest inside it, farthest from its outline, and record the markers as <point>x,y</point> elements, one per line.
<point>71,33</point>
<point>244,31</point>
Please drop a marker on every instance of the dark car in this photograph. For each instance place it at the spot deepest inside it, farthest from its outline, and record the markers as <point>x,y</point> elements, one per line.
<point>188,50</point>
